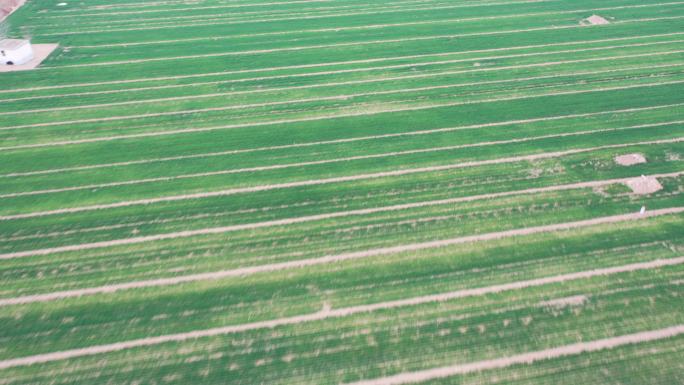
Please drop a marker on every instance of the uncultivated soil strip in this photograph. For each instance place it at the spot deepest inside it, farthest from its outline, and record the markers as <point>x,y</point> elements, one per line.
<point>329,259</point>
<point>316,65</point>
<point>297,120</point>
<point>409,77</point>
<point>336,141</point>
<point>316,182</point>
<point>330,161</point>
<point>527,358</point>
<point>342,312</point>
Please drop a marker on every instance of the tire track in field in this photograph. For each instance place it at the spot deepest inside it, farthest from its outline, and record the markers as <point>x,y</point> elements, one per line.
<point>296,120</point>
<point>527,358</point>
<point>412,77</point>
<point>405,10</point>
<point>339,313</point>
<point>316,65</point>
<point>336,141</point>
<point>312,218</point>
<point>331,161</point>
<point>318,182</point>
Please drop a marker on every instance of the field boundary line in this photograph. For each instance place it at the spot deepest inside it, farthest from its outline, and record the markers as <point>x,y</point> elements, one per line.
<point>526,358</point>
<point>408,77</point>
<point>310,218</point>
<point>327,64</point>
<point>317,182</point>
<point>336,313</point>
<point>296,120</point>
<point>330,161</point>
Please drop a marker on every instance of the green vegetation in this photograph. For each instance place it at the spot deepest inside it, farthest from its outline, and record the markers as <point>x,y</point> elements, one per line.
<point>317,192</point>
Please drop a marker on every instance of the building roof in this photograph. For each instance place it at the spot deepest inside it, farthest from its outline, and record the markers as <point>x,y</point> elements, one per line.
<point>11,44</point>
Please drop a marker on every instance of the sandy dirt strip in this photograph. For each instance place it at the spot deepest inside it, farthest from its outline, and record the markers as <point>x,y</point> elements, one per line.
<point>408,77</point>
<point>287,121</point>
<point>317,182</point>
<point>328,313</point>
<point>331,161</point>
<point>336,141</point>
<point>326,64</point>
<point>328,259</point>
<point>528,358</point>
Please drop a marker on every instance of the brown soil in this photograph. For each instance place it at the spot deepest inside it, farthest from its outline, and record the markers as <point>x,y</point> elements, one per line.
<point>630,159</point>
<point>7,7</point>
<point>644,185</point>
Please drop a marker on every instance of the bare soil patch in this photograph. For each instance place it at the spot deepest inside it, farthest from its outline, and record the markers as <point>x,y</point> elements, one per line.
<point>40,53</point>
<point>644,185</point>
<point>594,20</point>
<point>7,7</point>
<point>630,159</point>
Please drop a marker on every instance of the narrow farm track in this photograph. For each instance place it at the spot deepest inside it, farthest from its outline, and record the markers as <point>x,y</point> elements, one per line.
<point>338,191</point>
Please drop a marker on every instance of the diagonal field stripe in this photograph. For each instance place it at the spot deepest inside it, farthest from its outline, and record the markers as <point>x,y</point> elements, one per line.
<point>336,313</point>
<point>279,33</point>
<point>329,161</point>
<point>339,45</point>
<point>316,182</point>
<point>527,358</point>
<point>298,120</point>
<point>330,259</point>
<point>336,141</point>
<point>317,65</point>
<point>410,77</point>
<point>403,10</point>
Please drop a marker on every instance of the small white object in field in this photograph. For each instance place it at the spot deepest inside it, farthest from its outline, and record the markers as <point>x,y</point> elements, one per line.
<point>61,4</point>
<point>595,20</point>
<point>630,159</point>
<point>15,51</point>
<point>643,210</point>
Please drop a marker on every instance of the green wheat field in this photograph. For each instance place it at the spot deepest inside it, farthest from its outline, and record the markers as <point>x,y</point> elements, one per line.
<point>344,192</point>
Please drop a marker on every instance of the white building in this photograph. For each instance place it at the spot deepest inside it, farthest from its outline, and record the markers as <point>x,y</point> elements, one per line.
<point>15,52</point>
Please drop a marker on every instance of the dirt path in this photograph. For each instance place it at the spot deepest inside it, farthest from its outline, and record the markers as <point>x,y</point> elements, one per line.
<point>528,358</point>
<point>328,259</point>
<point>345,312</point>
